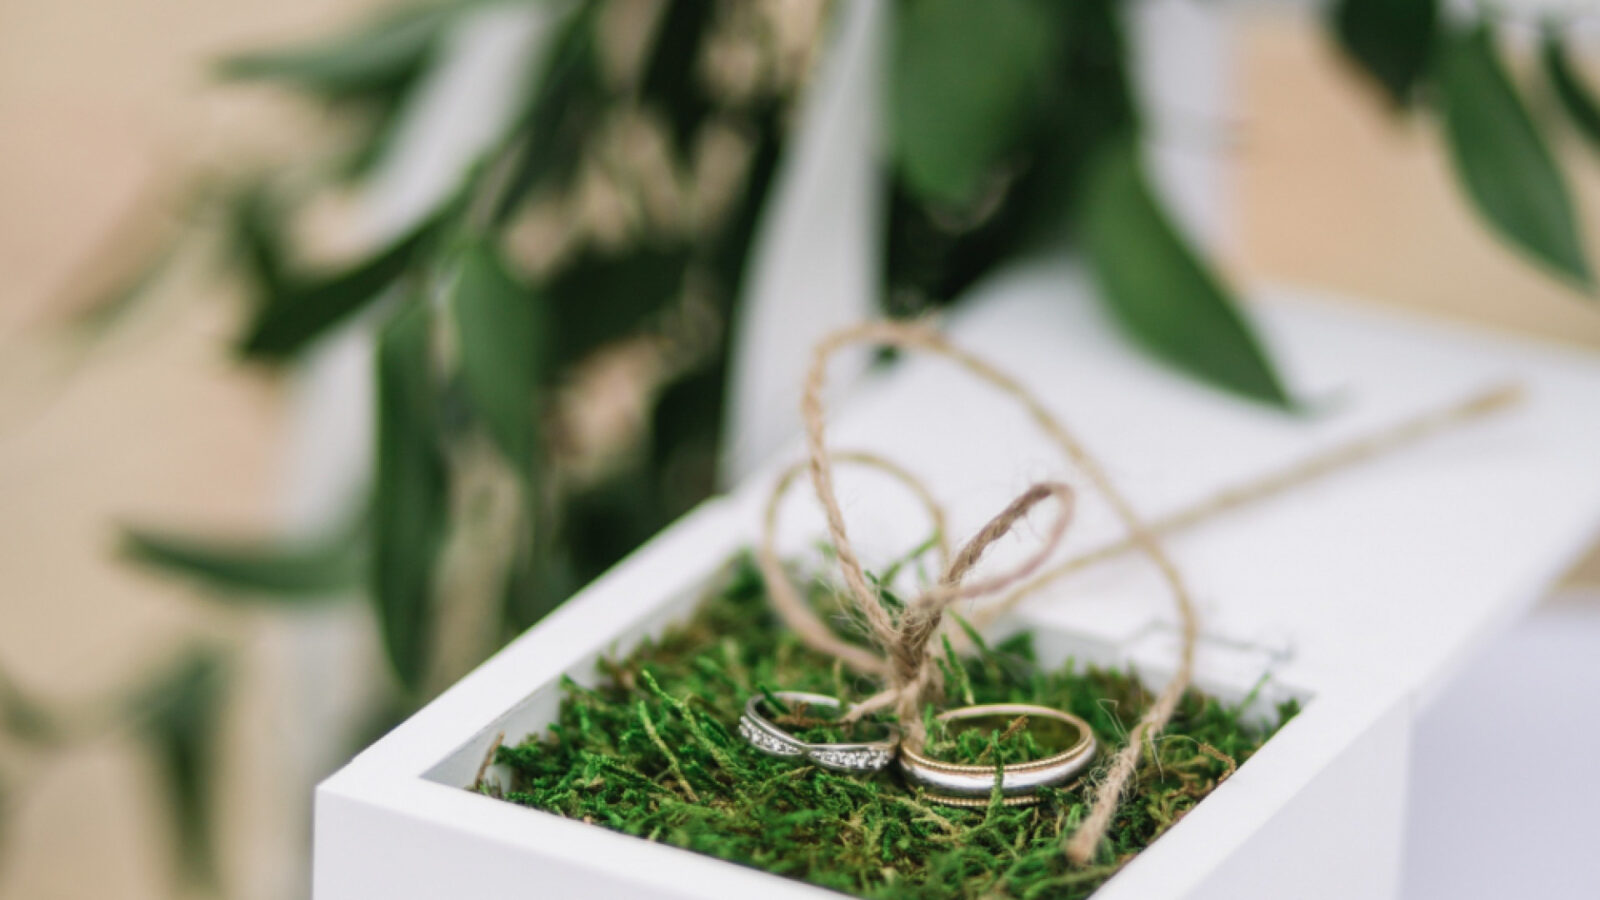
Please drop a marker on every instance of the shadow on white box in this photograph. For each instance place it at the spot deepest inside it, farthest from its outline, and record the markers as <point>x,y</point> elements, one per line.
<point>1357,594</point>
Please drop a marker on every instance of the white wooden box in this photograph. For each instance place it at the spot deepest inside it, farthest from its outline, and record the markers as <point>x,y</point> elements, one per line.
<point>1359,594</point>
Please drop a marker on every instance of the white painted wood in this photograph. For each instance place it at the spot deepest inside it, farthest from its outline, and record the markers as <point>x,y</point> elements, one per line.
<point>1182,54</point>
<point>816,259</point>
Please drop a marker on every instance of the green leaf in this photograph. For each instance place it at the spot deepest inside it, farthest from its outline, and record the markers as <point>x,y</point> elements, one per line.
<point>599,297</point>
<point>964,80</point>
<point>181,713</point>
<point>257,235</point>
<point>1573,95</point>
<point>540,579</point>
<point>563,109</point>
<point>373,58</point>
<point>410,502</point>
<point>126,293</point>
<point>1158,289</point>
<point>24,718</point>
<point>729,254</point>
<point>1501,158</point>
<point>686,430</point>
<point>375,67</point>
<point>1391,40</point>
<point>295,310</point>
<point>505,356</point>
<point>504,334</point>
<point>276,571</point>
<point>672,76</point>
<point>606,521</point>
<point>380,122</point>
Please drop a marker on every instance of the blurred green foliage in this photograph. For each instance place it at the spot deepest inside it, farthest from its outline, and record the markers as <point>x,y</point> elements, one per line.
<point>1502,158</point>
<point>1160,290</point>
<point>1392,40</point>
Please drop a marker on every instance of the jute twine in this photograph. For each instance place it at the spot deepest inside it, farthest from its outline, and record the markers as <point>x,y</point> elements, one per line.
<point>905,662</point>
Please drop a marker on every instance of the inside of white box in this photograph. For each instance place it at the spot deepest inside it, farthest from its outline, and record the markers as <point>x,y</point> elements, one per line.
<point>1231,679</point>
<point>1384,572</point>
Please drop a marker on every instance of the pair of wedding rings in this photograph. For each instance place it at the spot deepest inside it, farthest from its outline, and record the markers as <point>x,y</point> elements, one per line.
<point>952,784</point>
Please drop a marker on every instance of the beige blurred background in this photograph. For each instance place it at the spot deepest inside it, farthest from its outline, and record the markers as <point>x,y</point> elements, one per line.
<point>100,104</point>
<point>1333,192</point>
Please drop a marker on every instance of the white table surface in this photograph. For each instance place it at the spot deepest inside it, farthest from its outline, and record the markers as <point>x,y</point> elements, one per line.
<point>1525,825</point>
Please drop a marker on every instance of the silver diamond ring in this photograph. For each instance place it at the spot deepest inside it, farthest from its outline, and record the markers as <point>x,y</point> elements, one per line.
<point>867,756</point>
<point>959,784</point>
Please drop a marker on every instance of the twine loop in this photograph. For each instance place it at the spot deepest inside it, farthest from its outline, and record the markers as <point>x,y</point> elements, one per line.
<point>904,641</point>
<point>904,660</point>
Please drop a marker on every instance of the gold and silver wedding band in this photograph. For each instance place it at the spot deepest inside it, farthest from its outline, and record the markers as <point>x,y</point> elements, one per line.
<point>964,784</point>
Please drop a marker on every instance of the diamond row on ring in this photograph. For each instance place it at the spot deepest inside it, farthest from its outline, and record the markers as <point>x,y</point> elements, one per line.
<point>865,759</point>
<point>767,741</point>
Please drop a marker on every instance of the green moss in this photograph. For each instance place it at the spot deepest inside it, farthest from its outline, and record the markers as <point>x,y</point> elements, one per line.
<point>652,752</point>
